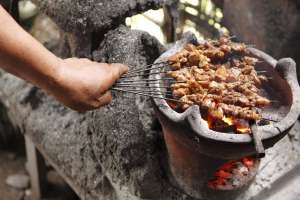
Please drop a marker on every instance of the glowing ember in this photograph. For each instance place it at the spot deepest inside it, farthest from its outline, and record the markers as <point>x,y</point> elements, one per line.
<point>243,130</point>
<point>210,121</point>
<point>228,172</point>
<point>239,125</point>
<point>228,120</point>
<point>242,126</point>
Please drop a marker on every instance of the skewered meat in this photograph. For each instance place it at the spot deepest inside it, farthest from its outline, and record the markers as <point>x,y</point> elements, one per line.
<point>221,73</point>
<point>220,77</point>
<point>216,113</point>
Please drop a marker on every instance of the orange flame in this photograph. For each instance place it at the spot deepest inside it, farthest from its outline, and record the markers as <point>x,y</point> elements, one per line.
<point>243,130</point>
<point>242,126</point>
<point>228,120</point>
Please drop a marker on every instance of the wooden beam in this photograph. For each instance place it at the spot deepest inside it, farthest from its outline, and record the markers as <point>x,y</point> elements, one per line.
<point>36,170</point>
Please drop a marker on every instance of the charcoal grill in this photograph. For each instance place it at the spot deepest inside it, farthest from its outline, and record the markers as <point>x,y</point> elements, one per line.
<point>194,152</point>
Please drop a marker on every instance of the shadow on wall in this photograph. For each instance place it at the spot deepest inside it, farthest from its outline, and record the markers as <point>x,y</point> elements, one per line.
<point>8,132</point>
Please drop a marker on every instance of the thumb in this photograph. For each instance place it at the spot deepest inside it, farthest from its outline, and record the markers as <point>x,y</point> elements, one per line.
<point>118,70</point>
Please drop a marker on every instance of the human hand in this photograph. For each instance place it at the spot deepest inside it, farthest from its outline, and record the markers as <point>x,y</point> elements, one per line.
<point>84,85</point>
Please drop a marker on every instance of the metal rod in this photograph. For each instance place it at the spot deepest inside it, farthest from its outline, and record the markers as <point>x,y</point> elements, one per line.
<point>152,73</point>
<point>272,120</point>
<point>146,95</point>
<point>147,91</point>
<point>143,70</point>
<point>261,71</point>
<point>150,84</point>
<point>259,147</point>
<point>148,80</point>
<point>250,45</point>
<point>143,83</point>
<point>138,86</point>
<point>137,75</point>
<point>146,66</point>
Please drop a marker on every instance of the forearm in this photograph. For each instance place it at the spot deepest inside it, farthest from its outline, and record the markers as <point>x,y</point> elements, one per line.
<point>78,83</point>
<point>23,56</point>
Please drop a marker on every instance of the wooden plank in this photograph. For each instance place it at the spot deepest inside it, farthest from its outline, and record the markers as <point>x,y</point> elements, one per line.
<point>36,169</point>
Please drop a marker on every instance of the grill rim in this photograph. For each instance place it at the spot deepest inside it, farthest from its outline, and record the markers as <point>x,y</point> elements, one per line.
<point>192,114</point>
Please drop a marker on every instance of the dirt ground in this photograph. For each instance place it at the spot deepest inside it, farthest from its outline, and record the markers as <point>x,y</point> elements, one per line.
<point>12,161</point>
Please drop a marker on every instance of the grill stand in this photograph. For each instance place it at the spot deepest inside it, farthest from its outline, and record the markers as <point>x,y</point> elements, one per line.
<point>190,169</point>
<point>194,151</point>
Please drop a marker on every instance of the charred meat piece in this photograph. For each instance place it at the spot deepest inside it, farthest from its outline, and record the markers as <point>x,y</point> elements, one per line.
<point>220,77</point>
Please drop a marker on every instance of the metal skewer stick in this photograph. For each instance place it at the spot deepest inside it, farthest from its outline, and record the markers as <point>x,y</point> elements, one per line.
<point>137,75</point>
<point>138,86</point>
<point>146,66</point>
<point>250,45</point>
<point>152,84</point>
<point>259,147</point>
<point>143,70</point>
<point>258,71</point>
<point>147,95</point>
<point>146,91</point>
<point>271,120</point>
<point>148,80</point>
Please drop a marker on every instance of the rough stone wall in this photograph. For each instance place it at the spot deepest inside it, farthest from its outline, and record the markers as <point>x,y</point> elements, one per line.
<point>84,22</point>
<point>111,153</point>
<point>271,25</point>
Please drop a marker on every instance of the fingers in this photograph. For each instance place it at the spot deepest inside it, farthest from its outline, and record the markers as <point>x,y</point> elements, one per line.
<point>105,99</point>
<point>118,70</point>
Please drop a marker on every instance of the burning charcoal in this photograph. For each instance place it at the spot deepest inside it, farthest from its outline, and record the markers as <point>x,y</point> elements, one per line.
<point>248,162</point>
<point>222,174</point>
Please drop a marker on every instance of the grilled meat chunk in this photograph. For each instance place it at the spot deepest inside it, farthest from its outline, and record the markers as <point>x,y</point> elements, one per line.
<point>220,77</point>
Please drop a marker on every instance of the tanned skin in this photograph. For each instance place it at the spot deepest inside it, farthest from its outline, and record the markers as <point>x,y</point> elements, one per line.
<point>79,84</point>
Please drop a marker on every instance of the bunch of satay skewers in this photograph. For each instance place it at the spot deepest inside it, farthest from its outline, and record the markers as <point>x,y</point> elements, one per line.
<point>219,76</point>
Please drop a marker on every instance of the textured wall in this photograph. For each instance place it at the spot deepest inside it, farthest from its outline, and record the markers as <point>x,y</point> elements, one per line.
<point>271,25</point>
<point>112,153</point>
